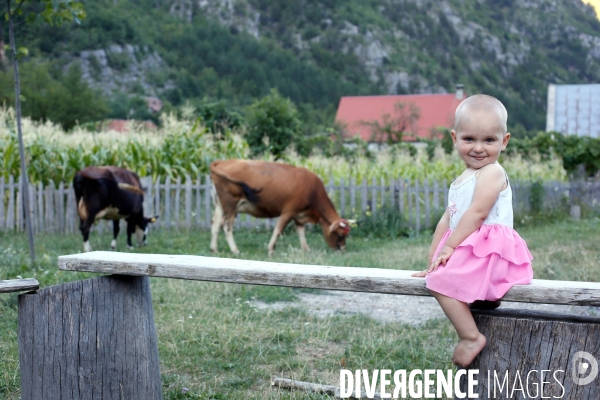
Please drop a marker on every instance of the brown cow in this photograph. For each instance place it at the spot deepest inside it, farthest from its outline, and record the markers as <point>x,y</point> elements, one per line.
<point>266,190</point>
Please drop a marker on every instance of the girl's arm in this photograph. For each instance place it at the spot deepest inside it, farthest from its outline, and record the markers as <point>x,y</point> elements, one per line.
<point>441,228</point>
<point>489,184</point>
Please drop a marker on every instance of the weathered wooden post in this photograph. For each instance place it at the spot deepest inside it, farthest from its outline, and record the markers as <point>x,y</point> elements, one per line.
<point>89,339</point>
<point>536,355</point>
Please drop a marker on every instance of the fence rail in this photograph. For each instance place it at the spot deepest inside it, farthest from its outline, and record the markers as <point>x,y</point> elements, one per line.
<point>188,204</point>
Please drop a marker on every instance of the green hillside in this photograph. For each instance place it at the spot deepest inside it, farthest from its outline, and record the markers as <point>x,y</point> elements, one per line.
<point>316,51</point>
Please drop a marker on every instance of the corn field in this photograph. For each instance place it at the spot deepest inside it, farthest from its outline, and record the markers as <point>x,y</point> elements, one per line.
<point>184,147</point>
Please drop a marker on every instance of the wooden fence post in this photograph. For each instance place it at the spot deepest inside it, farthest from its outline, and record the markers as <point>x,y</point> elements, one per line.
<point>10,213</point>
<point>417,206</point>
<point>207,200</point>
<point>363,196</point>
<point>427,204</point>
<point>72,220</point>
<point>157,207</point>
<point>342,197</point>
<point>59,200</point>
<point>188,201</point>
<point>49,210</point>
<point>353,198</point>
<point>168,202</point>
<point>519,342</point>
<point>374,196</point>
<point>19,206</point>
<point>90,339</point>
<point>40,207</point>
<point>2,197</point>
<point>177,216</point>
<point>198,201</point>
<point>409,195</point>
<point>148,205</point>
<point>401,183</point>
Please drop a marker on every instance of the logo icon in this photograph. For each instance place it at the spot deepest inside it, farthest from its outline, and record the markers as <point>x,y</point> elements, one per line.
<point>585,368</point>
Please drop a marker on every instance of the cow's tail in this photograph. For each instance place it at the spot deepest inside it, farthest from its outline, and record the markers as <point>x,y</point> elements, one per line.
<point>78,186</point>
<point>130,188</point>
<point>250,193</point>
<point>213,194</point>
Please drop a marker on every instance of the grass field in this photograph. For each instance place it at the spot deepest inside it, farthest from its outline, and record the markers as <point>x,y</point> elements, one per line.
<point>213,342</point>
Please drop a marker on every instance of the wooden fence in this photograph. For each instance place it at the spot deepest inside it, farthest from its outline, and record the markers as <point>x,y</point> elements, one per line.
<point>188,204</point>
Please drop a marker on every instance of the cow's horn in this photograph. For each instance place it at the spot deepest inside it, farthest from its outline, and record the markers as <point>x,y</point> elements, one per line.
<point>343,225</point>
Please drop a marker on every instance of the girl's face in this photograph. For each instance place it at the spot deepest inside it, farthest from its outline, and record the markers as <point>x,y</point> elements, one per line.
<point>479,139</point>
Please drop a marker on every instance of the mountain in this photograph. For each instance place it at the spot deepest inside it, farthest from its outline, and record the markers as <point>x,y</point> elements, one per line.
<point>316,51</point>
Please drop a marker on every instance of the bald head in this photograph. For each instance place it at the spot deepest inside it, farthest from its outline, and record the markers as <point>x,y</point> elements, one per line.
<point>479,104</point>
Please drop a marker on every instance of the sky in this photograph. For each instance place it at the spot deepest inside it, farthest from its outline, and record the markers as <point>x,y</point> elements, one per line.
<point>595,4</point>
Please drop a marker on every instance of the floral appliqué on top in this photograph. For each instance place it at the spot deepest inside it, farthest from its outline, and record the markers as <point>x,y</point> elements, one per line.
<point>452,209</point>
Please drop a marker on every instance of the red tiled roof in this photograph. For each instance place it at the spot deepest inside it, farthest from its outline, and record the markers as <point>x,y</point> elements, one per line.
<point>122,125</point>
<point>435,110</point>
<point>119,125</point>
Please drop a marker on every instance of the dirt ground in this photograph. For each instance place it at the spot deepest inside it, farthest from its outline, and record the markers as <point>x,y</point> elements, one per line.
<point>397,308</point>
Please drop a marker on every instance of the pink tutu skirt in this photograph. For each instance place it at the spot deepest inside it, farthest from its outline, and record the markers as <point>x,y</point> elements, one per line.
<point>484,266</point>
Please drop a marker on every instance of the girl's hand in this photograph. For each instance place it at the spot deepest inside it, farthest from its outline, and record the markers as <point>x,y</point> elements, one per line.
<point>420,274</point>
<point>441,259</point>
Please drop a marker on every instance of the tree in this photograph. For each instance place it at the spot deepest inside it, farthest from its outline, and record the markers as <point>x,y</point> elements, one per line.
<point>393,128</point>
<point>273,124</point>
<point>66,100</point>
<point>218,116</point>
<point>54,12</point>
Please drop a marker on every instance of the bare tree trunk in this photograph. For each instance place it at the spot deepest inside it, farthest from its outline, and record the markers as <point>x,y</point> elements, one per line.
<point>24,179</point>
<point>2,56</point>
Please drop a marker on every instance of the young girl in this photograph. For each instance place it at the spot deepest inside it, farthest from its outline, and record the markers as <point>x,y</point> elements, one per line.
<point>475,254</point>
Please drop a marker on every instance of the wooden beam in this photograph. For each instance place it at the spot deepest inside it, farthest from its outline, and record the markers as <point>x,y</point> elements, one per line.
<point>19,285</point>
<point>373,280</point>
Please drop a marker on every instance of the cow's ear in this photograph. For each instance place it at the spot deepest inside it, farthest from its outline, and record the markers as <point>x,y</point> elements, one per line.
<point>153,219</point>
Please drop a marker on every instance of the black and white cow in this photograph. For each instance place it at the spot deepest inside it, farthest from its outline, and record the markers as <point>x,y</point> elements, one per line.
<point>111,193</point>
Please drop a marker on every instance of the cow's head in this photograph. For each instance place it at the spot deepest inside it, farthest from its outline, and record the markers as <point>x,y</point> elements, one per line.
<point>337,234</point>
<point>141,229</point>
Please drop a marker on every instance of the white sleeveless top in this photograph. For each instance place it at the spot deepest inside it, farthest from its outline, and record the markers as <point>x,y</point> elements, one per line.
<point>460,197</point>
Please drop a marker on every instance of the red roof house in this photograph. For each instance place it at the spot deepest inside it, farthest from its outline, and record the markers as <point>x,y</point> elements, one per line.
<point>418,115</point>
<point>123,125</point>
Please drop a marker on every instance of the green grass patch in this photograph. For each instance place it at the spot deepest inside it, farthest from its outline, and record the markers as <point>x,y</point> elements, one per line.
<point>213,342</point>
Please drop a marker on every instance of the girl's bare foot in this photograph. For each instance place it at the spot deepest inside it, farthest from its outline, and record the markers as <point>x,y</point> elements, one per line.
<point>466,350</point>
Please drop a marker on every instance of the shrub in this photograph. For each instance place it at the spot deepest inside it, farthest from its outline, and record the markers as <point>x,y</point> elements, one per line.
<point>273,124</point>
<point>536,197</point>
<point>385,222</point>
<point>447,142</point>
<point>576,152</point>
